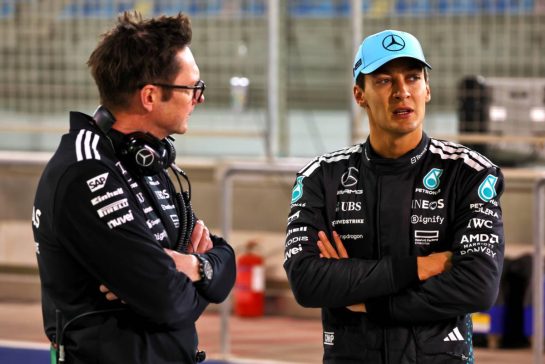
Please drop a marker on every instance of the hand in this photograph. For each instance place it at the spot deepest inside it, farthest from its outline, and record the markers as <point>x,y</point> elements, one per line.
<point>433,264</point>
<point>200,239</point>
<point>186,263</point>
<point>327,251</point>
<point>110,296</point>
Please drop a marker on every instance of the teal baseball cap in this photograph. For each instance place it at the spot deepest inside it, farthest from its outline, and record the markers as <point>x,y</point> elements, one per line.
<point>380,48</point>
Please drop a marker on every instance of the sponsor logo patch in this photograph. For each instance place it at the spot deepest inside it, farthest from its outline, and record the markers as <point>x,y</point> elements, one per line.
<point>487,189</point>
<point>98,182</point>
<point>297,192</point>
<point>431,180</point>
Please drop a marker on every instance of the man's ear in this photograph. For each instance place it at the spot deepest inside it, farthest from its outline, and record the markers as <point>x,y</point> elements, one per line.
<point>359,96</point>
<point>428,92</point>
<point>149,96</point>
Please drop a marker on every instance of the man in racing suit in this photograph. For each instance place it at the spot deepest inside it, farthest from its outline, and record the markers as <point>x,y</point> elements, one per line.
<point>107,215</point>
<point>416,222</point>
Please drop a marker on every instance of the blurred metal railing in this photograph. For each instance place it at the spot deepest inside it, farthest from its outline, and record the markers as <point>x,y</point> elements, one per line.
<point>537,270</point>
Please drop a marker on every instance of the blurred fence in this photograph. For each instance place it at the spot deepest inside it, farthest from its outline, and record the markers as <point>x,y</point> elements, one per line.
<point>45,45</point>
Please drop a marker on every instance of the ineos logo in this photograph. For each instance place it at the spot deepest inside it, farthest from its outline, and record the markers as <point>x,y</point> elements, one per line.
<point>144,157</point>
<point>349,179</point>
<point>393,43</point>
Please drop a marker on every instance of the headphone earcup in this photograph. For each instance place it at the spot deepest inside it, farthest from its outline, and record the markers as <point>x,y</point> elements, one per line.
<point>145,154</point>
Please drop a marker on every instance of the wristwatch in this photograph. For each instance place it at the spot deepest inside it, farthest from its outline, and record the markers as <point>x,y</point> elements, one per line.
<point>205,269</point>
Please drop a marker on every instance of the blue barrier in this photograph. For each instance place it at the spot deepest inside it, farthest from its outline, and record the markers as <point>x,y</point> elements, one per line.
<point>16,355</point>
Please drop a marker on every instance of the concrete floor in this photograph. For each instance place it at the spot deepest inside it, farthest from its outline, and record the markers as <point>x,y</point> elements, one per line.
<point>270,339</point>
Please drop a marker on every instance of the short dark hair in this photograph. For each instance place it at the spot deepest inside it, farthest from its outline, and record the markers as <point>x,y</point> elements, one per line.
<point>138,52</point>
<point>360,80</point>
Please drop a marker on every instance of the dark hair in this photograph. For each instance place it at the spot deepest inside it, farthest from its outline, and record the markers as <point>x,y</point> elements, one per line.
<point>137,52</point>
<point>360,80</point>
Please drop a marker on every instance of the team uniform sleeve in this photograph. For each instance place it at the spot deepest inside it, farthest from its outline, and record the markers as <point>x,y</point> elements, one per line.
<point>222,259</point>
<point>319,282</point>
<point>478,248</point>
<point>111,240</point>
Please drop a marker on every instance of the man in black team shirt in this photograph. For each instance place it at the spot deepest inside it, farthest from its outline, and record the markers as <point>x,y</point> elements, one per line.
<point>416,224</point>
<point>107,215</point>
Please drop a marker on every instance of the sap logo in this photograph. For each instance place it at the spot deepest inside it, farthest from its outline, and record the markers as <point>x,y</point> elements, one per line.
<point>294,217</point>
<point>36,213</point>
<point>480,238</point>
<point>479,223</point>
<point>293,251</point>
<point>428,205</point>
<point>296,239</point>
<point>134,185</point>
<point>121,220</point>
<point>348,206</point>
<point>98,182</point>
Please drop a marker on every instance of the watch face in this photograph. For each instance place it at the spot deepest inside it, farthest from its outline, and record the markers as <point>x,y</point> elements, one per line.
<point>208,271</point>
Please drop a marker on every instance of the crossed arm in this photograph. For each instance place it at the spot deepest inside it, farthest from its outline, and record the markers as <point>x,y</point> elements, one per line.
<point>428,266</point>
<point>186,263</point>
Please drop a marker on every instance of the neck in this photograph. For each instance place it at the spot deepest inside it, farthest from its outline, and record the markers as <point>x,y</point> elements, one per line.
<point>394,146</point>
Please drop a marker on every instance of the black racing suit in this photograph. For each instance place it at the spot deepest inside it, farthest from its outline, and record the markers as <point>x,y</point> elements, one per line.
<point>440,196</point>
<point>97,223</point>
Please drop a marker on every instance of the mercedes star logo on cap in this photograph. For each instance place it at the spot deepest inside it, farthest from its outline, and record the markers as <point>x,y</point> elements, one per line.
<point>393,43</point>
<point>144,157</point>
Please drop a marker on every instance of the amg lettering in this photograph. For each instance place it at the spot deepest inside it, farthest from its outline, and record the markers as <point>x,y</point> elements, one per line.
<point>121,220</point>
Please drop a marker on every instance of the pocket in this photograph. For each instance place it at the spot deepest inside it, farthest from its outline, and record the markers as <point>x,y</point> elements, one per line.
<point>350,338</point>
<point>447,341</point>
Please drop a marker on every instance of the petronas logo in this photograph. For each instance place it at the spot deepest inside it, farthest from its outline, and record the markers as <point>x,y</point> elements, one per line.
<point>431,180</point>
<point>297,192</point>
<point>487,189</point>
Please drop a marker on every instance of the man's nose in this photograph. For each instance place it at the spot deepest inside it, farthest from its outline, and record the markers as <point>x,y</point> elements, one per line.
<point>401,91</point>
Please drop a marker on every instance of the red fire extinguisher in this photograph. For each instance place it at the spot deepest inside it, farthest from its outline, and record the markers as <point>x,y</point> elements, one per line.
<point>250,283</point>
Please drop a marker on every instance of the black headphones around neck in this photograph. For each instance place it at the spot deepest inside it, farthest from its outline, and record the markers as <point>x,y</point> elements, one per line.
<point>142,153</point>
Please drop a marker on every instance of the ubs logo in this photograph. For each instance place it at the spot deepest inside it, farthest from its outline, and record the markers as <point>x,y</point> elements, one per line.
<point>144,157</point>
<point>393,43</point>
<point>349,178</point>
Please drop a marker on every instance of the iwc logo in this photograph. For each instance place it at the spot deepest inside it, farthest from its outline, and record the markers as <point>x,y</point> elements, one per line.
<point>487,189</point>
<point>393,43</point>
<point>431,180</point>
<point>297,192</point>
